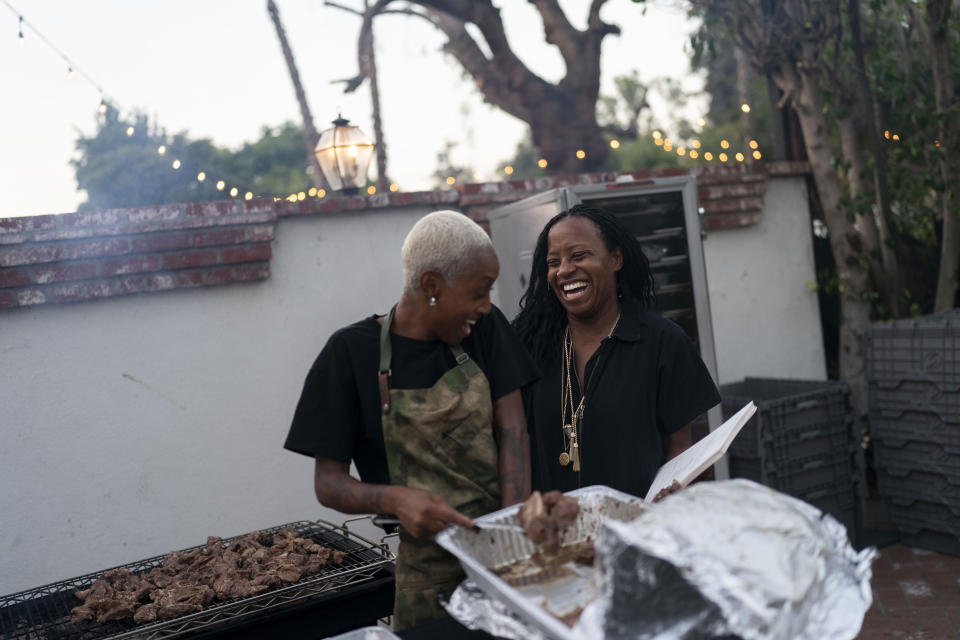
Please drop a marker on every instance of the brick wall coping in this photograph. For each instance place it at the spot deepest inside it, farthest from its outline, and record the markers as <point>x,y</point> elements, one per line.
<point>104,253</point>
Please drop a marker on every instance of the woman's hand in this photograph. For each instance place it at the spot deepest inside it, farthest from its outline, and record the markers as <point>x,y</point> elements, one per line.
<point>423,513</point>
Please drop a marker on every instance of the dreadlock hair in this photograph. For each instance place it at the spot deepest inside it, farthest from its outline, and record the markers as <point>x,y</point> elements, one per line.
<point>542,318</point>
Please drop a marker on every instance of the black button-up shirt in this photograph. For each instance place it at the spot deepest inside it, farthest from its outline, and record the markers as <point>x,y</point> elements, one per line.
<point>646,381</point>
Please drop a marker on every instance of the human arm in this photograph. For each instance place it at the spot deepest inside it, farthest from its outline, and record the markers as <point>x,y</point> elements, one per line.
<point>676,443</point>
<point>514,448</point>
<point>421,513</point>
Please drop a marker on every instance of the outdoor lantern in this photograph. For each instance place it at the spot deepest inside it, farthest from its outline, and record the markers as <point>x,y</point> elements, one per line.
<point>344,154</point>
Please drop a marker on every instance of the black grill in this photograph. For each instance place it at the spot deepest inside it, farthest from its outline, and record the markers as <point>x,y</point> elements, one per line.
<point>44,612</point>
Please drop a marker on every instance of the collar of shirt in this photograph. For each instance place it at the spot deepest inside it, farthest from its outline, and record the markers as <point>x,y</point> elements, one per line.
<point>632,321</point>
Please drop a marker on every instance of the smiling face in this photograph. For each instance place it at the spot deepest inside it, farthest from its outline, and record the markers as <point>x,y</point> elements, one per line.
<point>581,271</point>
<point>462,302</point>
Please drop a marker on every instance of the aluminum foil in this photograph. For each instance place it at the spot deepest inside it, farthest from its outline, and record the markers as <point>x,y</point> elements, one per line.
<point>367,633</point>
<point>475,610</point>
<point>729,557</point>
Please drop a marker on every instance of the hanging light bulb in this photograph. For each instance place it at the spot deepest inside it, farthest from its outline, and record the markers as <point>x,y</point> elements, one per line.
<point>103,107</point>
<point>220,185</point>
<point>508,170</point>
<point>248,196</point>
<point>754,144</point>
<point>708,156</point>
<point>71,74</point>
<point>756,155</point>
<point>175,165</point>
<point>394,187</point>
<point>681,151</point>
<point>724,144</point>
<point>542,163</point>
<point>20,29</point>
<point>745,108</point>
<point>371,190</point>
<point>739,157</point>
<point>702,122</point>
<point>321,193</point>
<point>233,192</point>
<point>301,196</point>
<point>656,135</point>
<point>312,192</point>
<point>129,131</point>
<point>201,176</point>
<point>162,149</point>
<point>581,154</point>
<point>695,144</point>
<point>723,157</point>
<point>614,144</point>
<point>450,180</point>
<point>694,154</point>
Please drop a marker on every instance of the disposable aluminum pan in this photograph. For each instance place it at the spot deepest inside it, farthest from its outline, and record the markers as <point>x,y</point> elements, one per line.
<point>367,633</point>
<point>567,589</point>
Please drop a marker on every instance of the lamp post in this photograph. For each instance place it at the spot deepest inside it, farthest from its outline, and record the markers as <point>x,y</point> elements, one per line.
<point>344,153</point>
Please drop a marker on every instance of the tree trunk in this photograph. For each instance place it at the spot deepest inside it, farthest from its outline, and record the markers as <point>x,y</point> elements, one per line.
<point>892,282</point>
<point>948,128</point>
<point>851,145</point>
<point>371,73</point>
<point>845,243</point>
<point>310,136</point>
<point>559,131</point>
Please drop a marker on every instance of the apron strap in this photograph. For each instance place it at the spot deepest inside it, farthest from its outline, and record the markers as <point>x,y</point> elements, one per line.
<point>384,374</point>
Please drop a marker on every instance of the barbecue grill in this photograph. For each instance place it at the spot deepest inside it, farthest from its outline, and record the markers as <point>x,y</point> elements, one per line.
<point>44,612</point>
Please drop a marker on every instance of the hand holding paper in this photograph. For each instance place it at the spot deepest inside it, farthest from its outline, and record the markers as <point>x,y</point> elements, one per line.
<point>698,458</point>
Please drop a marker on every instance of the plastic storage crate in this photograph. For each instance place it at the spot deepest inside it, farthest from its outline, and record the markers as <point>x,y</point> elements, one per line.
<point>913,378</point>
<point>801,442</point>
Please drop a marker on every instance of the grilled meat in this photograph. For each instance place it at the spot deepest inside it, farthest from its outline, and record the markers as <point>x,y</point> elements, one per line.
<point>544,516</point>
<point>185,582</point>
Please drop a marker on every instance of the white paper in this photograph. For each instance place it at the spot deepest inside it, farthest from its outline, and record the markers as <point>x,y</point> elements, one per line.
<point>698,458</point>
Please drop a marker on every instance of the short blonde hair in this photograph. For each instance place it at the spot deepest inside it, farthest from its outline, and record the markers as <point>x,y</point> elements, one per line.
<point>442,241</point>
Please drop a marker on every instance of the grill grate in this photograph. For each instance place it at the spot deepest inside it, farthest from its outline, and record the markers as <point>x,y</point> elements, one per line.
<point>43,613</point>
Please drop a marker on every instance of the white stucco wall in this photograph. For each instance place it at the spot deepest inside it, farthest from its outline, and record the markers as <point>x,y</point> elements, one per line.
<point>765,315</point>
<point>138,425</point>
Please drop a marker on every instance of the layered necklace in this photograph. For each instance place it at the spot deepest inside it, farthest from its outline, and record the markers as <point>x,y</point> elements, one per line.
<point>572,429</point>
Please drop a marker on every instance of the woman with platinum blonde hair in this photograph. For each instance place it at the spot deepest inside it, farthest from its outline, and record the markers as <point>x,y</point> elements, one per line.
<point>425,400</point>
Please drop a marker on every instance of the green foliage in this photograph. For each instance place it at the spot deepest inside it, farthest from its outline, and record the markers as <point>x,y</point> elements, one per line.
<point>120,170</point>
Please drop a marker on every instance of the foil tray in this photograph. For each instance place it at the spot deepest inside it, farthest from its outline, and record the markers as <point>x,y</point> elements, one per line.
<point>569,587</point>
<point>367,633</point>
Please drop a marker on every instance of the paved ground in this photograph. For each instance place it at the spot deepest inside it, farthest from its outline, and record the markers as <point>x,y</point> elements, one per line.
<point>916,596</point>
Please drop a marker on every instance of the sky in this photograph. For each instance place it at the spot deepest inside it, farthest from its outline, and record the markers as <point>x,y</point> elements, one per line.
<point>214,69</point>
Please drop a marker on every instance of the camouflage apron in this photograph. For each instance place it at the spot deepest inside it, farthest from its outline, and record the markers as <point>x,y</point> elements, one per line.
<point>440,440</point>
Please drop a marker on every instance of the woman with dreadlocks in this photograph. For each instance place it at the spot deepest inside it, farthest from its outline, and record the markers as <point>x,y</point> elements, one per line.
<point>620,384</point>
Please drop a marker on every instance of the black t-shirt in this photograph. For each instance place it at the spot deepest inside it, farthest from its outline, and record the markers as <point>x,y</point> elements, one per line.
<point>338,415</point>
<point>650,383</point>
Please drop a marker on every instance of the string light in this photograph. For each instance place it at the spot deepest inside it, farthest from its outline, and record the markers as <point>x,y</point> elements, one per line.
<point>581,154</point>
<point>312,192</point>
<point>896,137</point>
<point>695,144</point>
<point>372,189</point>
<point>753,144</point>
<point>201,176</point>
<point>886,134</point>
<point>71,74</point>
<point>722,157</point>
<point>129,131</point>
<point>702,122</point>
<point>394,187</point>
<point>739,157</point>
<point>162,149</point>
<point>301,196</point>
<point>681,151</point>
<point>745,108</point>
<point>450,180</point>
<point>614,144</point>
<point>657,135</point>
<point>220,185</point>
<point>694,154</point>
<point>508,170</point>
<point>708,156</point>
<point>667,145</point>
<point>20,29</point>
<point>542,163</point>
<point>103,107</point>
<point>724,144</point>
<point>321,193</point>
<point>233,192</point>
<point>658,142</point>
<point>248,196</point>
<point>175,165</point>
<point>756,155</point>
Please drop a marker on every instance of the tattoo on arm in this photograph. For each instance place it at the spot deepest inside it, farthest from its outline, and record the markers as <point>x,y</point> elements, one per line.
<point>514,449</point>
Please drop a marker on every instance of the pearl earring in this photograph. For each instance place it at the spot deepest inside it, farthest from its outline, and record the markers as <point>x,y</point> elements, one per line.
<point>433,301</point>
